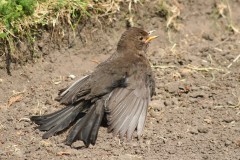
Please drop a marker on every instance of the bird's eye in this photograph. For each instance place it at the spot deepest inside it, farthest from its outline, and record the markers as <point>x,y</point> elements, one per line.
<point>140,38</point>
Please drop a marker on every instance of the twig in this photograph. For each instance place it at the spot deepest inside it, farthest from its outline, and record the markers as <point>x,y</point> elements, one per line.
<point>220,43</point>
<point>207,69</point>
<point>164,67</point>
<point>233,61</point>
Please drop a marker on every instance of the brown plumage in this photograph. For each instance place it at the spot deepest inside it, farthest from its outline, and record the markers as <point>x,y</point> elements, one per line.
<point>120,88</point>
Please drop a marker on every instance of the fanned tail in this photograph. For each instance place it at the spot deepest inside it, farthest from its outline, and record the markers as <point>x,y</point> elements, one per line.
<point>86,128</point>
<point>57,121</point>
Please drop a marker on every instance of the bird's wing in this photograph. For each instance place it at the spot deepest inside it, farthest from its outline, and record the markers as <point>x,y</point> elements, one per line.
<point>91,86</point>
<point>106,77</point>
<point>128,109</point>
<point>77,89</point>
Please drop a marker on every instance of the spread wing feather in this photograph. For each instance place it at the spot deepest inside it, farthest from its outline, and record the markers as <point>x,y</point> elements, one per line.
<point>127,110</point>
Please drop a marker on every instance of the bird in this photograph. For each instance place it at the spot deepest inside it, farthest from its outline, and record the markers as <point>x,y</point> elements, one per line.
<point>119,90</point>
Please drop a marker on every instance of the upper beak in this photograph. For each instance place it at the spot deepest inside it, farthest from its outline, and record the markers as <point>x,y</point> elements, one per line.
<point>150,39</point>
<point>150,32</point>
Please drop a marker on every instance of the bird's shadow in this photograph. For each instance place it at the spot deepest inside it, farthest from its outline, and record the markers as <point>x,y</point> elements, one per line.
<point>80,147</point>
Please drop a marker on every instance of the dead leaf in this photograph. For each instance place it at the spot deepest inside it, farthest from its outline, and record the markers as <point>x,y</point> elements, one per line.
<point>63,153</point>
<point>14,99</point>
<point>95,61</point>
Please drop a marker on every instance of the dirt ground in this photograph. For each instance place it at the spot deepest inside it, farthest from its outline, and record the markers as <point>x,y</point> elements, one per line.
<point>195,114</point>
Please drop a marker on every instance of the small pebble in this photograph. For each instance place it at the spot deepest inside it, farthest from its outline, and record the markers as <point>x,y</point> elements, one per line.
<point>203,130</point>
<point>228,120</point>
<point>48,102</point>
<point>156,105</point>
<point>207,37</point>
<point>72,76</point>
<point>205,156</point>
<point>193,131</point>
<point>172,87</point>
<point>227,143</point>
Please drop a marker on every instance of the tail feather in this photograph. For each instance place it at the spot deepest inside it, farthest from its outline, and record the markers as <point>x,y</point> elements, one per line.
<point>45,118</point>
<point>86,129</point>
<point>58,121</point>
<point>61,123</point>
<point>95,129</point>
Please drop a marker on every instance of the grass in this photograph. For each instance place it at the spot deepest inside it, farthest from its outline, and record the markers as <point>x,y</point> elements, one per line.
<point>170,11</point>
<point>222,10</point>
<point>22,21</point>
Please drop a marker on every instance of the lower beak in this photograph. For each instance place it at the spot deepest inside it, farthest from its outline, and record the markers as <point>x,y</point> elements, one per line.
<point>150,39</point>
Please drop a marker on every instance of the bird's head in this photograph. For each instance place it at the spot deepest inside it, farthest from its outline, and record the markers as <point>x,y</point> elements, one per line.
<point>135,39</point>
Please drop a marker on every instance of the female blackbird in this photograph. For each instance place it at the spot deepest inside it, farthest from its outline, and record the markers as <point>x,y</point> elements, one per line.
<point>120,88</point>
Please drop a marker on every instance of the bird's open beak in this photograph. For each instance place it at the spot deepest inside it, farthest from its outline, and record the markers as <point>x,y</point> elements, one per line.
<point>150,39</point>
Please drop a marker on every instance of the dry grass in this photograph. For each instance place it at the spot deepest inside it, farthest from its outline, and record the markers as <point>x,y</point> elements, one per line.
<point>171,11</point>
<point>224,10</point>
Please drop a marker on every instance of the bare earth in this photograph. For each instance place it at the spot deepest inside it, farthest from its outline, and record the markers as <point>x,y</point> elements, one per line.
<point>195,114</point>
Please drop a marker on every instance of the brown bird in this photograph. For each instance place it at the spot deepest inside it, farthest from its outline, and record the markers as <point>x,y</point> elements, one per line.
<point>119,88</point>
